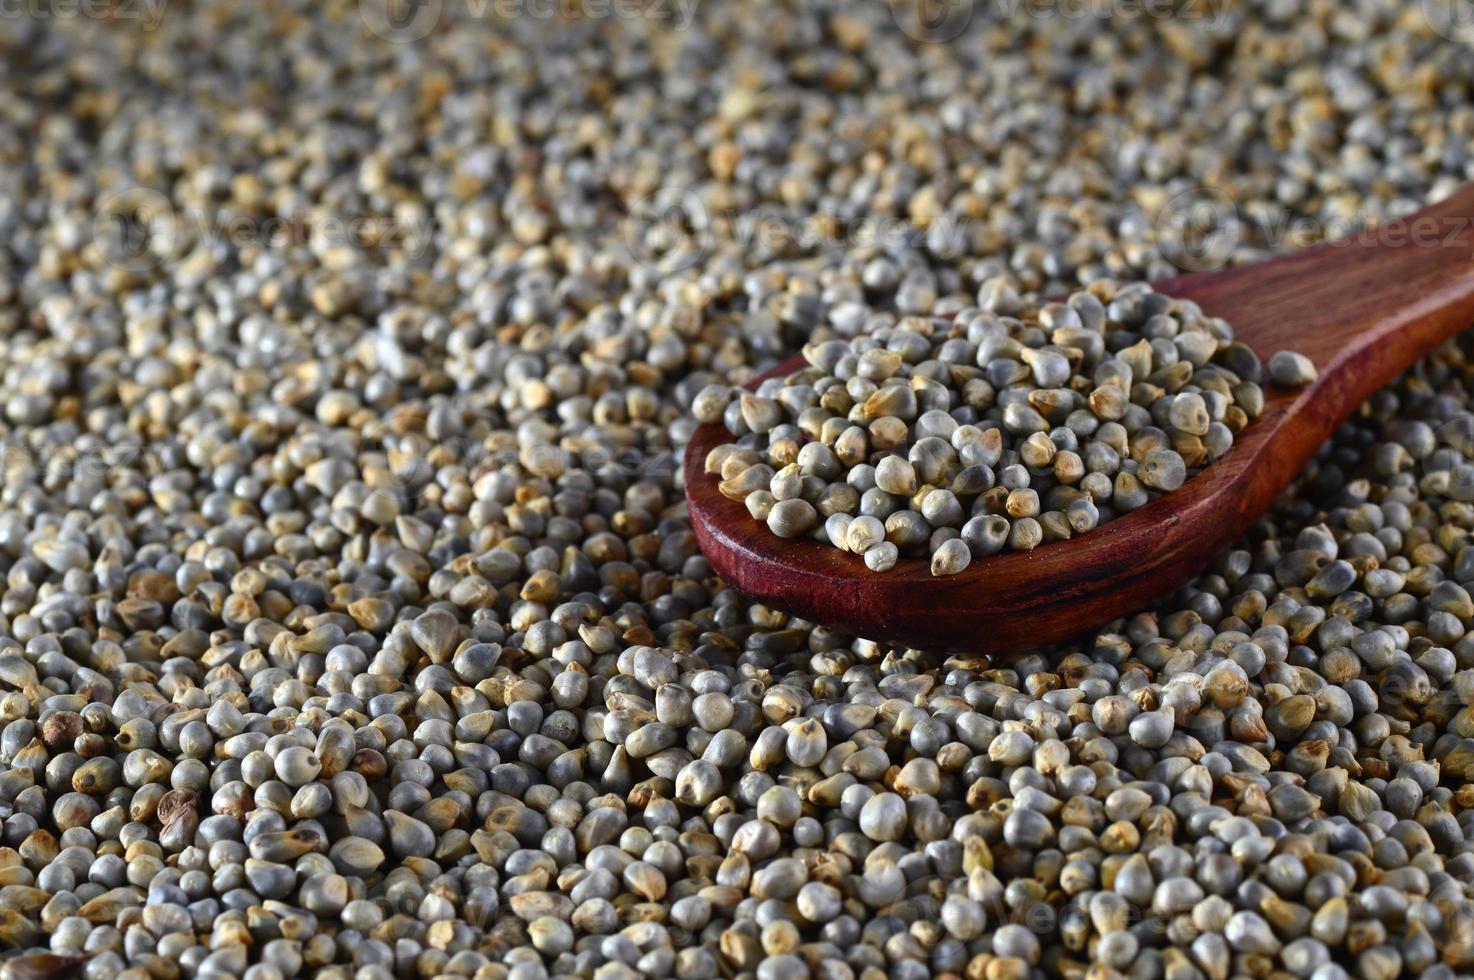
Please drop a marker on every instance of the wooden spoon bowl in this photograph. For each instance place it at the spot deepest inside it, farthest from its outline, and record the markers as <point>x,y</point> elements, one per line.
<point>1363,310</point>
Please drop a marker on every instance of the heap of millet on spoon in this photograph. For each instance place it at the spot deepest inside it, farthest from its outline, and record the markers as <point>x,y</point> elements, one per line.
<point>1010,424</point>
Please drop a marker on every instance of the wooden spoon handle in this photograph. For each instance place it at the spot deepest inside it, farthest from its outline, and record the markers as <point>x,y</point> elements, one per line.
<point>1329,300</point>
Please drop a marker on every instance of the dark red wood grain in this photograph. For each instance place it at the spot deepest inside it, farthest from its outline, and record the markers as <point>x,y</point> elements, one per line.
<point>1363,310</point>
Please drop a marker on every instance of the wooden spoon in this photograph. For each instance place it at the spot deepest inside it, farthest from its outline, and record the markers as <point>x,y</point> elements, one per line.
<point>1363,310</point>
